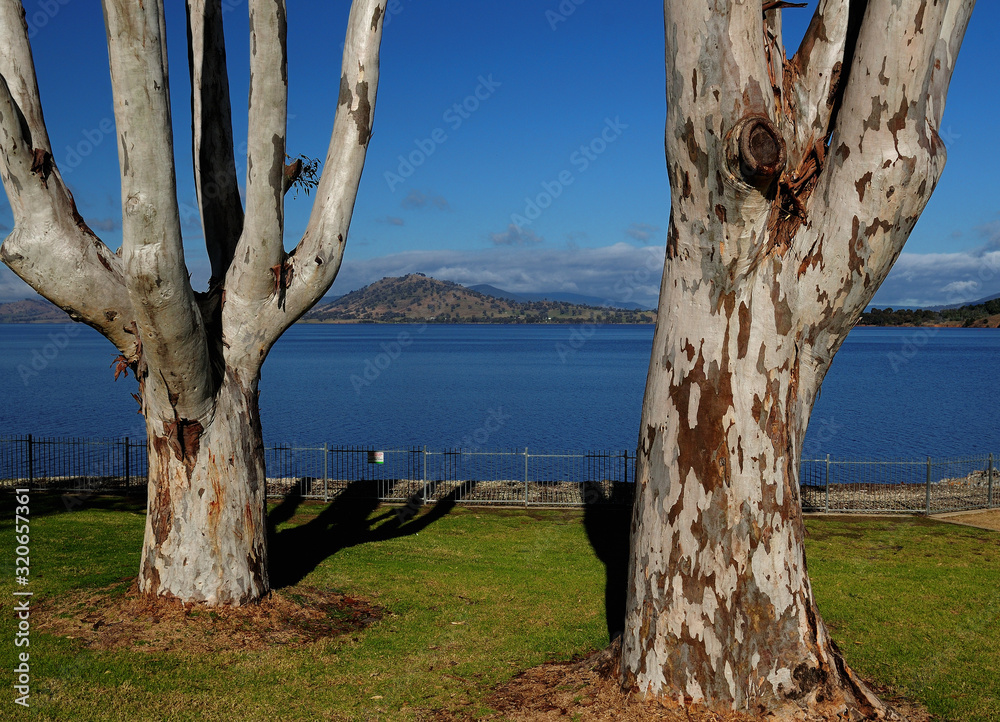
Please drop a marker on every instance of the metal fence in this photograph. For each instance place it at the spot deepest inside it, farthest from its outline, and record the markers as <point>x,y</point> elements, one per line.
<point>928,486</point>
<point>515,477</point>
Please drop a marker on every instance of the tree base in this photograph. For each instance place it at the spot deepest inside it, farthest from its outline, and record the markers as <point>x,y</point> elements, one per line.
<point>120,617</point>
<point>588,689</point>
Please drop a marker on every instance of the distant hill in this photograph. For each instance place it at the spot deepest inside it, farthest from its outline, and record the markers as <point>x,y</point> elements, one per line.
<point>977,315</point>
<point>488,290</point>
<point>418,298</point>
<point>574,298</point>
<point>412,298</point>
<point>979,302</point>
<point>32,311</point>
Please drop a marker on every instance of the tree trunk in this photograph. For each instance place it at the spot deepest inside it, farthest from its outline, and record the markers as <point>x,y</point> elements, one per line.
<point>794,184</point>
<point>720,605</point>
<point>206,531</point>
<point>197,356</point>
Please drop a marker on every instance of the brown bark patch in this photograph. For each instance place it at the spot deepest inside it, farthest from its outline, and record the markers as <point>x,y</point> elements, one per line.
<point>41,165</point>
<point>120,617</point>
<point>672,237</point>
<point>743,336</point>
<point>812,259</point>
<point>835,74</point>
<point>184,439</point>
<point>862,185</point>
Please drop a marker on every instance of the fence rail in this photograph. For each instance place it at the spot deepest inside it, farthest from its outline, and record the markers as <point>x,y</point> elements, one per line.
<point>515,477</point>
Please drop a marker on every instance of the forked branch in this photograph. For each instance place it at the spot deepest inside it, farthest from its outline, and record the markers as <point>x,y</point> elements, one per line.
<point>297,280</point>
<point>166,312</point>
<point>261,245</point>
<point>885,155</point>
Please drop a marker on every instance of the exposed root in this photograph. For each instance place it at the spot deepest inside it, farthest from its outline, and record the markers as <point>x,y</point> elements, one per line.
<point>589,690</point>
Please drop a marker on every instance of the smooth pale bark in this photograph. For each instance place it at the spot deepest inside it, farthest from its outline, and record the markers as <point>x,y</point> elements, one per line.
<point>793,189</point>
<point>51,247</point>
<point>197,356</point>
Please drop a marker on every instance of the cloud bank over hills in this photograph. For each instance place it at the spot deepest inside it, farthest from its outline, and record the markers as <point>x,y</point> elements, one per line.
<point>622,272</point>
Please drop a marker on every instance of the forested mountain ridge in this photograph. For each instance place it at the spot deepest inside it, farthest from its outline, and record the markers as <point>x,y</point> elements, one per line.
<point>980,315</point>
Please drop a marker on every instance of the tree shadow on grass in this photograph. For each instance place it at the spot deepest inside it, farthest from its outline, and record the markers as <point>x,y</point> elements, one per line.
<point>345,522</point>
<point>45,502</point>
<point>608,523</point>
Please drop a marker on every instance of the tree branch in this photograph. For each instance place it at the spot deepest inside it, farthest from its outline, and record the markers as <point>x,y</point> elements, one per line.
<point>953,26</point>
<point>50,248</point>
<point>312,266</point>
<point>319,253</point>
<point>261,247</point>
<point>173,335</point>
<point>721,94</point>
<point>885,155</point>
<point>817,69</point>
<point>212,136</point>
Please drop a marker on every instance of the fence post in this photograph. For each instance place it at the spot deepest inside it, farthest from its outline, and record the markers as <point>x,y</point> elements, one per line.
<point>928,493</point>
<point>526,476</point>
<point>31,460</point>
<point>826,508</point>
<point>326,472</point>
<point>128,474</point>
<point>425,474</point>
<point>989,485</point>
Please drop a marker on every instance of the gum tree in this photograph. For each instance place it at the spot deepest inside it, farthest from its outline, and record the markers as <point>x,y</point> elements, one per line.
<point>197,356</point>
<point>794,184</point>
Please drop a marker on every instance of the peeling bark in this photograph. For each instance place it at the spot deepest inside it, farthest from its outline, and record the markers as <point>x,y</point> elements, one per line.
<point>206,532</point>
<point>794,186</point>
<point>197,356</point>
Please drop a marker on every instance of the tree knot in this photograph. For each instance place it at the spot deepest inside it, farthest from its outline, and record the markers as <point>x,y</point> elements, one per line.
<point>760,151</point>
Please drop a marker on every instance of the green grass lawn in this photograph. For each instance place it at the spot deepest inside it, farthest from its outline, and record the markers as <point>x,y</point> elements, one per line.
<point>474,596</point>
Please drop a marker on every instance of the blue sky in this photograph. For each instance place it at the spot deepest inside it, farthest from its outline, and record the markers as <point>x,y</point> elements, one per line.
<point>477,113</point>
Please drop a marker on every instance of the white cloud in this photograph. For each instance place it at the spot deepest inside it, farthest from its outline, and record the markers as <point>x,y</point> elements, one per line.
<point>642,232</point>
<point>416,199</point>
<point>515,236</point>
<point>936,279</point>
<point>961,288</point>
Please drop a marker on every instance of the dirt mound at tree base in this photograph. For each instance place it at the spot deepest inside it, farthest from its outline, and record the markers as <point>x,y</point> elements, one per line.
<point>588,691</point>
<point>119,617</point>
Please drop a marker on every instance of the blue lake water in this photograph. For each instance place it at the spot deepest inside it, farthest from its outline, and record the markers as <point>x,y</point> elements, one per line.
<point>891,393</point>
